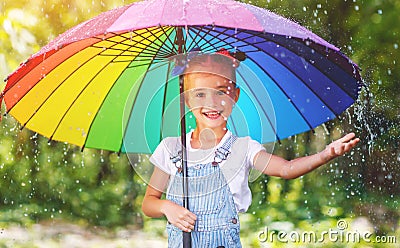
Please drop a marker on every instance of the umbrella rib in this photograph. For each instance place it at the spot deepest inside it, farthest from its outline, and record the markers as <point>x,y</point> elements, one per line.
<point>259,103</point>
<point>309,88</point>
<point>90,126</point>
<point>48,95</point>
<point>295,74</point>
<point>174,50</point>
<point>200,37</point>
<point>164,99</point>
<point>255,34</point>
<point>128,67</point>
<point>149,54</point>
<point>220,39</point>
<point>212,44</point>
<point>134,54</point>
<point>292,103</point>
<point>290,100</point>
<point>157,48</point>
<point>76,98</point>
<point>39,107</point>
<point>164,42</point>
<point>122,42</point>
<point>15,82</point>
<point>155,67</point>
<point>130,112</point>
<point>134,101</point>
<point>315,65</point>
<point>147,46</point>
<point>80,93</point>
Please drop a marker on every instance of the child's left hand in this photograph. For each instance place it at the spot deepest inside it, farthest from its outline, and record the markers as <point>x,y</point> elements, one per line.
<point>340,146</point>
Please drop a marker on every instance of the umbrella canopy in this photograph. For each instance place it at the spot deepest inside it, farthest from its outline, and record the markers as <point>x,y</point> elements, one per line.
<point>107,82</point>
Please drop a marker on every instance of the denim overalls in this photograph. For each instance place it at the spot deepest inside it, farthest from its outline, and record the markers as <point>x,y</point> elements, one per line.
<point>210,198</point>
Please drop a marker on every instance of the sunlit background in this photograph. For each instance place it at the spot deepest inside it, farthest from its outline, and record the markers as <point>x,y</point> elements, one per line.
<point>55,195</point>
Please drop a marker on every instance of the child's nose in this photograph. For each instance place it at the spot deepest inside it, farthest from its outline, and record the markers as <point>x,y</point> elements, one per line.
<point>212,100</point>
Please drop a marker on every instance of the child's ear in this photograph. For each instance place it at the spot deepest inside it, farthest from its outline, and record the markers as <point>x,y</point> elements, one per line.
<point>237,94</point>
<point>186,96</point>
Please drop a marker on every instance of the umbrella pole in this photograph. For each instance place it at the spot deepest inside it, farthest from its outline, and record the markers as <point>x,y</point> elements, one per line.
<point>187,238</point>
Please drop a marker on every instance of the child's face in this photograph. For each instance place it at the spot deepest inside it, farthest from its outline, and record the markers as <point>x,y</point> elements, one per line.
<point>211,98</point>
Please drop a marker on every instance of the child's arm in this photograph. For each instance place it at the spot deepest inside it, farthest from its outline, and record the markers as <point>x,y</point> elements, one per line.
<point>154,207</point>
<point>276,166</point>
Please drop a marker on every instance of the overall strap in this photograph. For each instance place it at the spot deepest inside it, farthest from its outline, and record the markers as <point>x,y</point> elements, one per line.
<point>176,156</point>
<point>223,152</point>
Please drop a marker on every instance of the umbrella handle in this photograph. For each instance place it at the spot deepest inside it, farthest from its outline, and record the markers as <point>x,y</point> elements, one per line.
<point>187,240</point>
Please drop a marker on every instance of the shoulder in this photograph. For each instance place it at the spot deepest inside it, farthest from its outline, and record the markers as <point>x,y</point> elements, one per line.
<point>248,148</point>
<point>170,141</point>
<point>247,143</point>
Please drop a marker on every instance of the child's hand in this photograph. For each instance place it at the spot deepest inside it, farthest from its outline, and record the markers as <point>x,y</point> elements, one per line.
<point>179,216</point>
<point>339,147</point>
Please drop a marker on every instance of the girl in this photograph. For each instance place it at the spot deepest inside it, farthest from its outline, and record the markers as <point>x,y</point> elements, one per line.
<point>218,162</point>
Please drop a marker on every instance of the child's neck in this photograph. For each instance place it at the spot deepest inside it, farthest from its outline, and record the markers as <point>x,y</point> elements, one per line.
<point>206,138</point>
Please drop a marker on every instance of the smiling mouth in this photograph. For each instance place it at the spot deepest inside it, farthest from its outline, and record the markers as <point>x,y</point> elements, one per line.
<point>212,114</point>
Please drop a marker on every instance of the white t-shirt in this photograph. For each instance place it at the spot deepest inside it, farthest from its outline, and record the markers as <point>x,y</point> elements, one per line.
<point>235,169</point>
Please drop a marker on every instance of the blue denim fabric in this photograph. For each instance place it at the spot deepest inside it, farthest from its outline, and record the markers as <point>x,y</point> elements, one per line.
<point>211,200</point>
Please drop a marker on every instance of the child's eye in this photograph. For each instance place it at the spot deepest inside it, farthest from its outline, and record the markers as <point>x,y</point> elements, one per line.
<point>222,92</point>
<point>200,94</point>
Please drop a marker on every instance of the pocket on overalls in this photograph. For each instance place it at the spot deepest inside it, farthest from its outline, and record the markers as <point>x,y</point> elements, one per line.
<point>174,236</point>
<point>206,204</point>
<point>233,237</point>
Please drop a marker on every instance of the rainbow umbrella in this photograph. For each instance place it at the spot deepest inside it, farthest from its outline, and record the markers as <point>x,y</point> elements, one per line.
<point>107,82</point>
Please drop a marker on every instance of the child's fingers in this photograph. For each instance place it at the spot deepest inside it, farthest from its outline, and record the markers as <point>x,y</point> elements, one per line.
<point>347,138</point>
<point>192,217</point>
<point>183,227</point>
<point>188,225</point>
<point>187,221</point>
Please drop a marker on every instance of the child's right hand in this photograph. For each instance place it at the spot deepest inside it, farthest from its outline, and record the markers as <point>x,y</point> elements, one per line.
<point>179,216</point>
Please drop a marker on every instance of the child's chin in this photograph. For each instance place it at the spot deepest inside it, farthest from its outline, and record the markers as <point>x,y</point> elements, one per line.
<point>215,122</point>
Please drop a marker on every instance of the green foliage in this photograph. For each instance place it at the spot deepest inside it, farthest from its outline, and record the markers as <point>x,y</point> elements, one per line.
<point>56,180</point>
